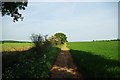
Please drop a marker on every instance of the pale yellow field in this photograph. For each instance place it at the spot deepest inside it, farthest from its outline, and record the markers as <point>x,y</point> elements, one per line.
<point>0,47</point>
<point>15,46</point>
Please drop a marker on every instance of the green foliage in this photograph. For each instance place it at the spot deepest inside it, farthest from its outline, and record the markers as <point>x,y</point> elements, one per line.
<point>58,39</point>
<point>31,65</point>
<point>54,40</point>
<point>12,9</point>
<point>96,60</point>
<point>61,37</point>
<point>38,41</point>
<point>41,43</point>
<point>107,40</point>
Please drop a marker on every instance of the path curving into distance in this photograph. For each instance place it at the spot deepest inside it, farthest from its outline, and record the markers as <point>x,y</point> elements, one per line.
<point>64,67</point>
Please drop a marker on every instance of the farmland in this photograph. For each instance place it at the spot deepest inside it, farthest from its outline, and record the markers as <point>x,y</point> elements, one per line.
<point>16,46</point>
<point>19,60</point>
<point>93,59</point>
<point>96,59</point>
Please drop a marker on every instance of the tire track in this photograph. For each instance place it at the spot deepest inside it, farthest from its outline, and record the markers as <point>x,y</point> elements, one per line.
<point>64,66</point>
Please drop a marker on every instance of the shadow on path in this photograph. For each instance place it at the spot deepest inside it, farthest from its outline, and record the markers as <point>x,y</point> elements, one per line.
<point>64,67</point>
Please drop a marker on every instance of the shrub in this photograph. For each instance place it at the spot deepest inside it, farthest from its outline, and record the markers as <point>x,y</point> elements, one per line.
<point>41,43</point>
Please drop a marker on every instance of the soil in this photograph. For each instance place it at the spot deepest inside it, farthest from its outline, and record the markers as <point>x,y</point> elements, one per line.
<point>64,67</point>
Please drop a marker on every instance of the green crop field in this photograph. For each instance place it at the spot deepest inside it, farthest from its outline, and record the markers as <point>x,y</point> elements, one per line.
<point>96,59</point>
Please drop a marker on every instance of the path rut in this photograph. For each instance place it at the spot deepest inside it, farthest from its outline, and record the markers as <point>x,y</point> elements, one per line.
<point>64,66</point>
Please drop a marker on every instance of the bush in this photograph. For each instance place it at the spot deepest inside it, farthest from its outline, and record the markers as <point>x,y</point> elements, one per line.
<point>41,43</point>
<point>32,65</point>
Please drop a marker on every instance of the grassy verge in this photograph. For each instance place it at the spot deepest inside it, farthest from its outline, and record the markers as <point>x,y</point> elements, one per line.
<point>60,46</point>
<point>96,60</point>
<point>28,64</point>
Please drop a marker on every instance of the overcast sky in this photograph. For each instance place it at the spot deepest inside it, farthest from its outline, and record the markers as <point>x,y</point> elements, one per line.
<point>80,21</point>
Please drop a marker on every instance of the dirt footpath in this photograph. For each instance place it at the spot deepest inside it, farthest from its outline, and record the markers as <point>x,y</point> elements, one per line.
<point>64,66</point>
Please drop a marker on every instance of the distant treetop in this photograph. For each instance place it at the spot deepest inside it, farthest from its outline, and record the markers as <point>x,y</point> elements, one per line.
<point>62,37</point>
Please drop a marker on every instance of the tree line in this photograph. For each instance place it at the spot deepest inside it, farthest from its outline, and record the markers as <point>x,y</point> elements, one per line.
<point>106,40</point>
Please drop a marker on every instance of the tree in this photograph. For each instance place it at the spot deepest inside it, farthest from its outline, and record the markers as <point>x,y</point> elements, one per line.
<point>54,40</point>
<point>38,40</point>
<point>12,9</point>
<point>62,37</point>
<point>41,43</point>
